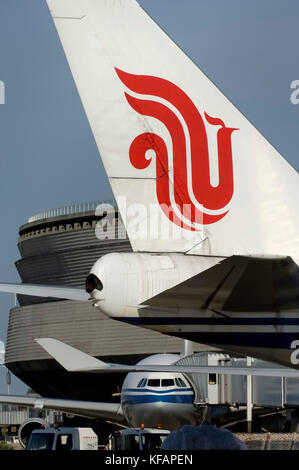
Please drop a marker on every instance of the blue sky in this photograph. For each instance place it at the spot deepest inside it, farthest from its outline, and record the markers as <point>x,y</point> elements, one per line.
<point>249,48</point>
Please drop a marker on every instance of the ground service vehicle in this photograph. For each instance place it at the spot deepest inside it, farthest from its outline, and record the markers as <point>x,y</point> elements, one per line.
<point>138,439</point>
<point>63,439</point>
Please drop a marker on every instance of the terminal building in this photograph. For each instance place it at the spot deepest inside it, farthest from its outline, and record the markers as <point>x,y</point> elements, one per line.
<point>59,247</point>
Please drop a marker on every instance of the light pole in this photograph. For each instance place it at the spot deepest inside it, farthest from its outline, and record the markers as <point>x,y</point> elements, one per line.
<point>8,381</point>
<point>249,397</point>
<point>2,363</point>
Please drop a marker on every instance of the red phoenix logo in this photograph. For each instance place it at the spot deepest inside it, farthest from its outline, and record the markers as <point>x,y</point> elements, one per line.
<point>186,203</point>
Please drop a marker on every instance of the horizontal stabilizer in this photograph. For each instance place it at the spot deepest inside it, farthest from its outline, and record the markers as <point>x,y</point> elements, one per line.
<point>39,290</point>
<point>74,360</point>
<point>228,286</point>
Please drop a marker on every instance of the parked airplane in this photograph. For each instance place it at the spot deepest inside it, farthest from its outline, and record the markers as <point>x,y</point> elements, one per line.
<point>216,228</point>
<point>158,393</point>
<point>152,399</point>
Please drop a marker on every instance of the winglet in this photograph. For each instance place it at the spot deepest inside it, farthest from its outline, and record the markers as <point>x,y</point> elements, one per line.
<point>70,358</point>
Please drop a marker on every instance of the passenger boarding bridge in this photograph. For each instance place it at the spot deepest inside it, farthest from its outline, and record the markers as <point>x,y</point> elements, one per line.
<point>234,392</point>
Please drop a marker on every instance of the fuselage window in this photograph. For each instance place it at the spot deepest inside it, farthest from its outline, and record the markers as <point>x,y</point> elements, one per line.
<point>167,382</point>
<point>153,382</point>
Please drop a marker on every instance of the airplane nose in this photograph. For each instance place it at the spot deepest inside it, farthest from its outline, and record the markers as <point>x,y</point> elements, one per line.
<point>92,282</point>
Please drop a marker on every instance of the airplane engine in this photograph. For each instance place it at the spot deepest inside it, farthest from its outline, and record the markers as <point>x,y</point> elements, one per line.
<point>119,282</point>
<point>27,427</point>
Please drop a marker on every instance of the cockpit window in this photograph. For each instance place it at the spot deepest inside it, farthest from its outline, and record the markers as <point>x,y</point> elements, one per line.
<point>167,382</point>
<point>153,382</point>
<point>141,383</point>
<point>180,383</point>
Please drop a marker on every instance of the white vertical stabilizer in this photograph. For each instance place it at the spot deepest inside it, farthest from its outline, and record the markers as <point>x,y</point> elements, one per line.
<point>171,142</point>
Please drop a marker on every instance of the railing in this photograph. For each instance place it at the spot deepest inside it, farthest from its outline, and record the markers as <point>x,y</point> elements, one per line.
<point>69,210</point>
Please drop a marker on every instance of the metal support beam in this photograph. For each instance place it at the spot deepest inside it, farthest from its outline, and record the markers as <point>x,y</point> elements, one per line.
<point>249,397</point>
<point>283,391</point>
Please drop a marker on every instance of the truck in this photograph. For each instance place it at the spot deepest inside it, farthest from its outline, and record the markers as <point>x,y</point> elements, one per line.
<point>63,438</point>
<point>149,439</point>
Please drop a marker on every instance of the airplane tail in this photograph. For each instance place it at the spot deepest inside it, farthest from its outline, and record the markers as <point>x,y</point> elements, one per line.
<point>189,172</point>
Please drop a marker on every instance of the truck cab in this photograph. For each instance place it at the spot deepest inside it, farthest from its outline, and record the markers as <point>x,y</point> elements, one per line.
<point>149,439</point>
<point>63,439</point>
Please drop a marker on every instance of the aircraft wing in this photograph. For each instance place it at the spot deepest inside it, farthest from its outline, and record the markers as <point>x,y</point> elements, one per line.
<point>107,411</point>
<point>39,290</point>
<point>230,284</point>
<point>74,360</point>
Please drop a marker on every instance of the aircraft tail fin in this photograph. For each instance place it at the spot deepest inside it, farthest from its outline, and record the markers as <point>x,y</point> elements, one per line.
<point>69,357</point>
<point>190,174</point>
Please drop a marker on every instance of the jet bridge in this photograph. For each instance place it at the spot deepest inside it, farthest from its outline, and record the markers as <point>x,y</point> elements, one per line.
<point>231,390</point>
